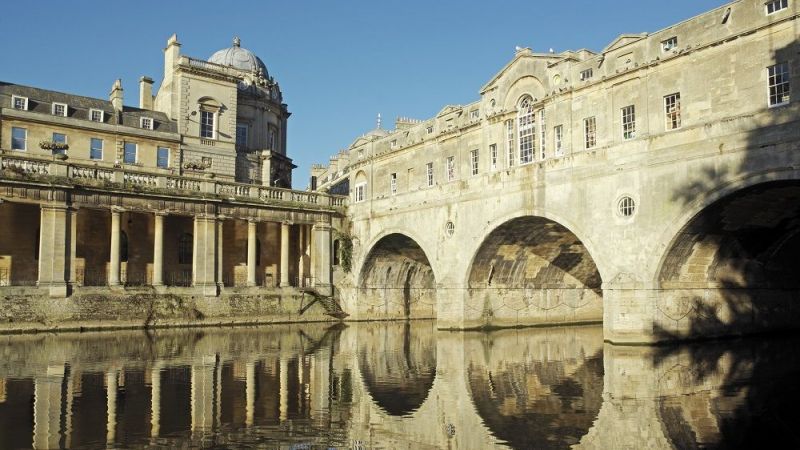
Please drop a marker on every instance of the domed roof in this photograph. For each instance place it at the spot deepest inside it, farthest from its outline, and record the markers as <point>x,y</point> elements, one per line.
<point>239,58</point>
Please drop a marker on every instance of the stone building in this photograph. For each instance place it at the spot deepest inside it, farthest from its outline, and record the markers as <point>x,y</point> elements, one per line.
<point>186,193</point>
<point>652,185</point>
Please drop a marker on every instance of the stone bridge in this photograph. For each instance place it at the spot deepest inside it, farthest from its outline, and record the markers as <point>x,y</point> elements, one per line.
<point>661,231</point>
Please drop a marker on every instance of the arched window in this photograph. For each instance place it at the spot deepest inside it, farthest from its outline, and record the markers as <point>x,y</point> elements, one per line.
<point>123,246</point>
<point>526,129</point>
<point>360,187</point>
<point>185,248</point>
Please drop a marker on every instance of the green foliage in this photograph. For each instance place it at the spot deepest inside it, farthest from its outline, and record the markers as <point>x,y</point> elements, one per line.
<point>345,251</point>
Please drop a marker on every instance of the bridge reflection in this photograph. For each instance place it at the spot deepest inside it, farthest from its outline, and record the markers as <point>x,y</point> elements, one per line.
<point>391,385</point>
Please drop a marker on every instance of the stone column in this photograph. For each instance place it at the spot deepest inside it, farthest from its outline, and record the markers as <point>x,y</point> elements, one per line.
<point>252,228</point>
<point>285,255</point>
<point>54,249</point>
<point>301,247</point>
<point>73,247</point>
<point>158,249</point>
<point>220,225</point>
<point>204,264</point>
<point>114,262</point>
<point>322,261</point>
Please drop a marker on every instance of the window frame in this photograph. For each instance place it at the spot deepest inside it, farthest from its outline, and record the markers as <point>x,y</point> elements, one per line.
<point>429,129</point>
<point>526,131</point>
<point>628,122</point>
<point>92,148</point>
<point>125,152</point>
<point>558,140</point>
<point>781,5</point>
<point>493,156</point>
<point>669,44</point>
<point>475,114</point>
<point>393,183</point>
<point>450,168</point>
<point>145,120</point>
<point>586,74</point>
<point>786,78</point>
<point>101,118</point>
<point>429,174</point>
<point>14,99</point>
<point>673,119</point>
<point>511,152</point>
<point>360,192</point>
<point>246,128</point>
<point>65,141</point>
<point>16,139</point>
<point>474,157</point>
<point>543,136</point>
<point>55,105</point>
<point>158,157</point>
<point>212,132</point>
<point>590,136</point>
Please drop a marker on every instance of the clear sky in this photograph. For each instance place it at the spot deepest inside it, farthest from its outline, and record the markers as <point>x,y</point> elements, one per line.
<point>339,63</point>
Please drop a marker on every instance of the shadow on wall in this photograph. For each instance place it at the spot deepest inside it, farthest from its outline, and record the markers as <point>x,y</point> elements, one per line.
<point>732,269</point>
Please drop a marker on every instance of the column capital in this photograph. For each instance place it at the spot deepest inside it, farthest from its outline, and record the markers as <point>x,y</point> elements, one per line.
<point>322,226</point>
<point>117,210</point>
<point>205,216</point>
<point>161,213</point>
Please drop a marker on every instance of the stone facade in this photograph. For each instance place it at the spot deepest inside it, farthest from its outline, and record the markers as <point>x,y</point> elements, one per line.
<point>183,197</point>
<point>652,185</point>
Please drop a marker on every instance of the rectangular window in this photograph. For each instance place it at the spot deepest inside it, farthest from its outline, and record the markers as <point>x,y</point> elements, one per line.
<point>629,122</point>
<point>429,130</point>
<point>777,5</point>
<point>672,109</point>
<point>129,153</point>
<point>59,109</point>
<point>474,114</point>
<point>590,132</point>
<point>146,123</point>
<point>19,138</point>
<point>96,148</point>
<point>669,44</point>
<point>558,140</point>
<point>360,192</point>
<point>18,102</point>
<point>473,156</point>
<point>394,143</point>
<point>393,183</point>
<point>96,115</point>
<point>510,142</point>
<point>779,87</point>
<point>60,138</point>
<point>162,157</point>
<point>241,136</point>
<point>451,168</point>
<point>527,134</point>
<point>429,173</point>
<point>207,124</point>
<point>543,137</point>
<point>493,155</point>
<point>586,74</point>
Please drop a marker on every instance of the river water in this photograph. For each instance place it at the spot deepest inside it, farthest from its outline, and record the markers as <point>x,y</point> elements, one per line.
<point>393,385</point>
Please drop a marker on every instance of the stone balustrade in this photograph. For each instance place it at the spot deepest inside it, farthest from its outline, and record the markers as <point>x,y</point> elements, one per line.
<point>29,165</point>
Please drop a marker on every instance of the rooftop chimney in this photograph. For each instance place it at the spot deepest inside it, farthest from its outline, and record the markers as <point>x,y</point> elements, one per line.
<point>146,93</point>
<point>116,99</point>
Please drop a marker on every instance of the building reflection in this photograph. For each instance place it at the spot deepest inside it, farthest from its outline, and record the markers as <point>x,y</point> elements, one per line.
<point>391,385</point>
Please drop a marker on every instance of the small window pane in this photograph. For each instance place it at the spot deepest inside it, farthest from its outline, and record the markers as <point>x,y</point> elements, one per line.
<point>779,86</point>
<point>162,157</point>
<point>96,149</point>
<point>129,156</point>
<point>207,124</point>
<point>19,138</point>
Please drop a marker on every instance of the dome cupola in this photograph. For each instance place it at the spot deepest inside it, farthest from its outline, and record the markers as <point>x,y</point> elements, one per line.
<point>239,58</point>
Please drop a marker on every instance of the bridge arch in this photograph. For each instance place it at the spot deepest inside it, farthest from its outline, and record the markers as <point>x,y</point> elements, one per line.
<point>396,279</point>
<point>528,269</point>
<point>730,262</point>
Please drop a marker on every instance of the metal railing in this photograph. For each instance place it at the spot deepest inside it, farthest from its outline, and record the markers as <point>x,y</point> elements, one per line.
<point>133,177</point>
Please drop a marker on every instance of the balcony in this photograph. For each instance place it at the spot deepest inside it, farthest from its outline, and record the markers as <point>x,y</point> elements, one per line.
<point>17,167</point>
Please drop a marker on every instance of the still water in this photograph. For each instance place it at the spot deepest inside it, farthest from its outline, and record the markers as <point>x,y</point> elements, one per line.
<point>392,385</point>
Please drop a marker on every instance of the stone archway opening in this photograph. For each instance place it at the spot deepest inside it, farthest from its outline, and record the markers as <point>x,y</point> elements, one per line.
<point>19,244</point>
<point>533,271</point>
<point>733,267</point>
<point>397,281</point>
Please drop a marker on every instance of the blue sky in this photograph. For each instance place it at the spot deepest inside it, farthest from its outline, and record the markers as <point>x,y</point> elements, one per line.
<point>339,63</point>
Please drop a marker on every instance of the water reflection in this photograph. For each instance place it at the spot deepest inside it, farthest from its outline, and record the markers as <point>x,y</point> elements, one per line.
<point>392,385</point>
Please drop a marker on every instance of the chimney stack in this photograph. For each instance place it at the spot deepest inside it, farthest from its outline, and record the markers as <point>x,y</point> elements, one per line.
<point>146,93</point>
<point>116,99</point>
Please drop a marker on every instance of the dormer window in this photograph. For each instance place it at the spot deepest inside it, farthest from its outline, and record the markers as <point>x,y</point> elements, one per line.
<point>146,123</point>
<point>586,74</point>
<point>59,109</point>
<point>776,5</point>
<point>669,44</point>
<point>96,115</point>
<point>18,102</point>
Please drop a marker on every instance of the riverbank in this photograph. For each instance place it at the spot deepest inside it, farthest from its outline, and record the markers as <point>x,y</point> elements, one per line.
<point>28,310</point>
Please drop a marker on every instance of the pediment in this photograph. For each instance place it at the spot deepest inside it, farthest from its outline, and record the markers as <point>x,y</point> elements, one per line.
<point>448,110</point>
<point>623,40</point>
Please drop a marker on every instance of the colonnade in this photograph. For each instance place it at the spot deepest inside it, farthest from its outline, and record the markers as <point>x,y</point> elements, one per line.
<point>58,242</point>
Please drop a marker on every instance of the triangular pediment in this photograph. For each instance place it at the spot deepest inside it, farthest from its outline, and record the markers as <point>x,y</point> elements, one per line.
<point>623,40</point>
<point>448,109</point>
<point>523,53</point>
